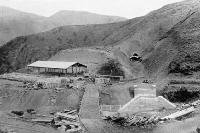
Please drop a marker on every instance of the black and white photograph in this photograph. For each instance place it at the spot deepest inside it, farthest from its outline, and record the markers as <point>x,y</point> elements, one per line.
<point>99,66</point>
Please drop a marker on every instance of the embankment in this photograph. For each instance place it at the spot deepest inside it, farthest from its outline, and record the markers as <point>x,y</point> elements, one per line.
<point>43,101</point>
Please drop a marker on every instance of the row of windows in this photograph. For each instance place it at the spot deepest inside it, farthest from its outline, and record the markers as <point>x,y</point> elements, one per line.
<point>63,70</point>
<point>54,70</point>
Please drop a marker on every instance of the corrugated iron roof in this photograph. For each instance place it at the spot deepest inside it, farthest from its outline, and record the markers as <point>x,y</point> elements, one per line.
<point>52,64</point>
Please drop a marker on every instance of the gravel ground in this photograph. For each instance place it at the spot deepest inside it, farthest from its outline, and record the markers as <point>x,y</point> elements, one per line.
<point>18,126</point>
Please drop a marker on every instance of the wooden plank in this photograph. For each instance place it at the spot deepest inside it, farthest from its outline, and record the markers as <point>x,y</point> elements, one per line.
<point>180,113</point>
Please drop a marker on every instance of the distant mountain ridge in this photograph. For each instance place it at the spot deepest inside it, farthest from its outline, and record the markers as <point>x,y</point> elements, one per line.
<point>10,12</point>
<point>14,23</point>
<point>68,17</point>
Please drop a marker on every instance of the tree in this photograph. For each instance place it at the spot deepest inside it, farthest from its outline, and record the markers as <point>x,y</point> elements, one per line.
<point>112,67</point>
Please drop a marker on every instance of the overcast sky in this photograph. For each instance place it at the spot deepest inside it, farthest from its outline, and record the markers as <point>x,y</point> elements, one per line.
<point>124,8</point>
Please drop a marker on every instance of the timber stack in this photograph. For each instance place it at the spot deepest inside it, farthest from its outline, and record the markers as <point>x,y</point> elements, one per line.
<point>147,119</point>
<point>139,120</point>
<point>65,121</point>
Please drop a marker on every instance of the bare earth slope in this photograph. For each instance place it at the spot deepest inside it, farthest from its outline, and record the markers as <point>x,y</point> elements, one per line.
<point>14,23</point>
<point>162,37</point>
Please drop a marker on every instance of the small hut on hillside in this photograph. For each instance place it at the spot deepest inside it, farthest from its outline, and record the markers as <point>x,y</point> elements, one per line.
<point>58,67</point>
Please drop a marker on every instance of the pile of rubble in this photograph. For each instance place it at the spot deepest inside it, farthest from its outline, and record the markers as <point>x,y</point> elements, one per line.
<point>139,120</point>
<point>66,121</point>
<point>33,85</point>
<point>47,83</point>
<point>145,119</point>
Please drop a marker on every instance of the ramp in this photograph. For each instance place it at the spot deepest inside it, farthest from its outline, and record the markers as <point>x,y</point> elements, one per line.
<point>146,100</point>
<point>90,108</point>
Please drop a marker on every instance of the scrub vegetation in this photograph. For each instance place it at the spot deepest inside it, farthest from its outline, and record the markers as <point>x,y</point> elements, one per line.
<point>112,67</point>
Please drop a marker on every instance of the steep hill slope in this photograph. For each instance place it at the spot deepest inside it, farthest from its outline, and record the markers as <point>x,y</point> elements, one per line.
<point>15,23</point>
<point>163,38</point>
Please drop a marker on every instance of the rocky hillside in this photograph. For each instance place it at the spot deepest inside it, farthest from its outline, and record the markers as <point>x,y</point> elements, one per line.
<point>167,40</point>
<point>14,23</point>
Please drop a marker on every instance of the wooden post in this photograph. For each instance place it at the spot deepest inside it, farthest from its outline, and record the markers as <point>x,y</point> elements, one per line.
<point>38,70</point>
<point>76,69</point>
<point>65,72</point>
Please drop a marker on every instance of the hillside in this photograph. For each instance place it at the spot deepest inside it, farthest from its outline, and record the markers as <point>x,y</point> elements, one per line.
<point>14,23</point>
<point>93,58</point>
<point>167,39</point>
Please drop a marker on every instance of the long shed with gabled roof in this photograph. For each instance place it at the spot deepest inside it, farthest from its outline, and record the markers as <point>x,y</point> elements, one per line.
<point>60,67</point>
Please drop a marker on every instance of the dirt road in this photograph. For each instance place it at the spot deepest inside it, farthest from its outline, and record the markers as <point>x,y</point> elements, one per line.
<point>90,103</point>
<point>90,110</point>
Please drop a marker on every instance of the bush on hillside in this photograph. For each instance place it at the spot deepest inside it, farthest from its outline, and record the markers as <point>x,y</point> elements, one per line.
<point>181,94</point>
<point>185,68</point>
<point>112,67</point>
<point>187,63</point>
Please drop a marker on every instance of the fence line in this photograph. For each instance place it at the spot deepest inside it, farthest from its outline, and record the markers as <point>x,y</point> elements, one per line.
<point>110,108</point>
